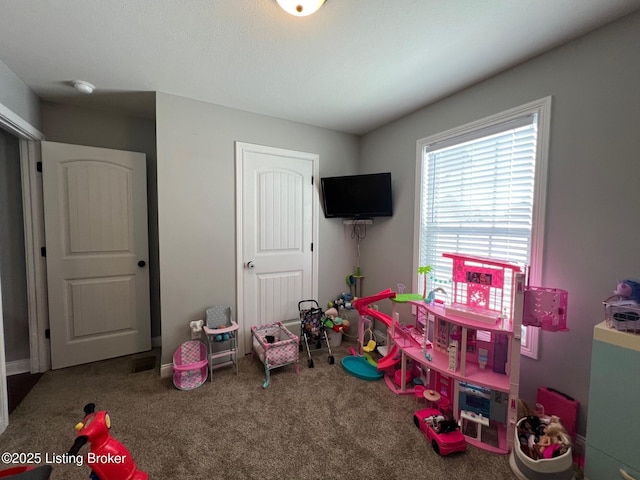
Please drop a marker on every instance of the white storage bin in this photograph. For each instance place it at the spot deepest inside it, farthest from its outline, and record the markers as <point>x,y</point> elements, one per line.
<point>622,315</point>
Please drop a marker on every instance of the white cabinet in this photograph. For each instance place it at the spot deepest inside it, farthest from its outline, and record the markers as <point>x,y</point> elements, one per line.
<point>613,425</point>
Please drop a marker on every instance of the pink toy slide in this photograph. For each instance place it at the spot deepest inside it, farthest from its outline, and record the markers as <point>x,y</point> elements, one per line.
<point>391,359</point>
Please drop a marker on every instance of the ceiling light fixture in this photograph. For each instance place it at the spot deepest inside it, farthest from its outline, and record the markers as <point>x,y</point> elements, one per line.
<point>300,8</point>
<point>83,87</point>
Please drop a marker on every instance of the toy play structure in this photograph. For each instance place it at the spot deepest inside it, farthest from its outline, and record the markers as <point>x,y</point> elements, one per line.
<point>360,367</point>
<point>467,348</point>
<point>391,359</point>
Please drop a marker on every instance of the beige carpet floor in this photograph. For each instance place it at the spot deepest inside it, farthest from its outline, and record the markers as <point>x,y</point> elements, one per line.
<point>320,424</point>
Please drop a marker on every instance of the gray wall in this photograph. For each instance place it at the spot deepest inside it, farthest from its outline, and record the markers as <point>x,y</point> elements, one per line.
<point>593,191</point>
<point>12,256</point>
<point>196,197</point>
<point>18,98</point>
<point>96,128</point>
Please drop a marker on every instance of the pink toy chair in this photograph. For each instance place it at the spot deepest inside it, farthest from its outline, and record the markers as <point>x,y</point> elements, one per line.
<point>190,365</point>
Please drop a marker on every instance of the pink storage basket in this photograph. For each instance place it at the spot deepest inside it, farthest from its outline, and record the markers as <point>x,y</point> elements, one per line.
<point>190,365</point>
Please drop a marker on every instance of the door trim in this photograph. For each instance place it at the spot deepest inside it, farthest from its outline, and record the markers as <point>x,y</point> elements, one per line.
<point>32,211</point>
<point>17,126</point>
<point>241,147</point>
<point>34,239</point>
<point>33,214</point>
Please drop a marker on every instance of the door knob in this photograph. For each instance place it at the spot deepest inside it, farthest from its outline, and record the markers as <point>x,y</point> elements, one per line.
<point>141,263</point>
<point>251,265</point>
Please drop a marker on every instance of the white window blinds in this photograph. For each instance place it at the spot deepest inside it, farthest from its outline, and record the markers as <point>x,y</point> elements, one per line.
<point>478,195</point>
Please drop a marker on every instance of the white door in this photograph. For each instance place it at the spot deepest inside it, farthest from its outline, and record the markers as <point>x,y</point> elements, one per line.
<point>95,209</point>
<point>277,213</point>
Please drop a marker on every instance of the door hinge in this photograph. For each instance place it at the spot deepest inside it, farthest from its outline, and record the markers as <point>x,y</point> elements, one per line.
<point>43,251</point>
<point>312,178</point>
<point>312,246</point>
<point>47,333</point>
<point>39,167</point>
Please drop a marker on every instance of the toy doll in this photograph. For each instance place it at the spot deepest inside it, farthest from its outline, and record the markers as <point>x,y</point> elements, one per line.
<point>555,441</point>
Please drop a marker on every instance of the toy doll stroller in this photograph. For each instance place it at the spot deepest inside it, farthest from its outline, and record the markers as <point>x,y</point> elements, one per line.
<point>313,329</point>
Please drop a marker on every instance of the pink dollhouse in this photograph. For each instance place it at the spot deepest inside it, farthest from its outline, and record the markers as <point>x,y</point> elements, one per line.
<point>465,350</point>
<point>471,348</point>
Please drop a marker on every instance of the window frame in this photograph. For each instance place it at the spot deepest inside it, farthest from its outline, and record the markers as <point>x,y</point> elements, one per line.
<point>542,108</point>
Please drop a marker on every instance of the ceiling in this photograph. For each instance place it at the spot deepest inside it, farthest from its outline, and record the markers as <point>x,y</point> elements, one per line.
<point>353,66</point>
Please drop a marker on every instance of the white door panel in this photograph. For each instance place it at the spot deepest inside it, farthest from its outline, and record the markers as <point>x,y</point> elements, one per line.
<point>96,233</point>
<point>277,203</point>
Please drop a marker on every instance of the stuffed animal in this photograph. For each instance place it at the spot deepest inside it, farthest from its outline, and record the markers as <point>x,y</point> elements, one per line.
<point>331,312</point>
<point>628,291</point>
<point>337,324</point>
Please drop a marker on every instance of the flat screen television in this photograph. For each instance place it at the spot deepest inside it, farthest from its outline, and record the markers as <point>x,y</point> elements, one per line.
<point>357,196</point>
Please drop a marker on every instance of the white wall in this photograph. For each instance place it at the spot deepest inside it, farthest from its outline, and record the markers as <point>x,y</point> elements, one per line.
<point>592,232</point>
<point>196,196</point>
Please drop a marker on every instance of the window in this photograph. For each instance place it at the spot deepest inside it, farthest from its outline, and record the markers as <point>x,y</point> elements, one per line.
<point>482,190</point>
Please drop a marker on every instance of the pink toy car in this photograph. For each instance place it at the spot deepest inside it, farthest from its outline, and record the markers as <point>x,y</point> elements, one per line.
<point>444,442</point>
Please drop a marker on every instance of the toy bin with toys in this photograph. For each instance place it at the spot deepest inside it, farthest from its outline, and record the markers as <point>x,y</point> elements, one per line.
<point>622,316</point>
<point>541,451</point>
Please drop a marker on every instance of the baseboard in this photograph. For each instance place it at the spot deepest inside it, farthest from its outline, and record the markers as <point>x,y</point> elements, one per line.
<point>293,326</point>
<point>166,370</point>
<point>17,367</point>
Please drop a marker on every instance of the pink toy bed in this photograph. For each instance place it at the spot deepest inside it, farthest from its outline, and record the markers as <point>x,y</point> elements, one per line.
<point>276,347</point>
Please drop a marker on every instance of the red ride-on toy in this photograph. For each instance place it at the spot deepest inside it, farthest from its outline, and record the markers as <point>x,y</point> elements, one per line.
<point>27,473</point>
<point>107,457</point>
<point>443,434</point>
